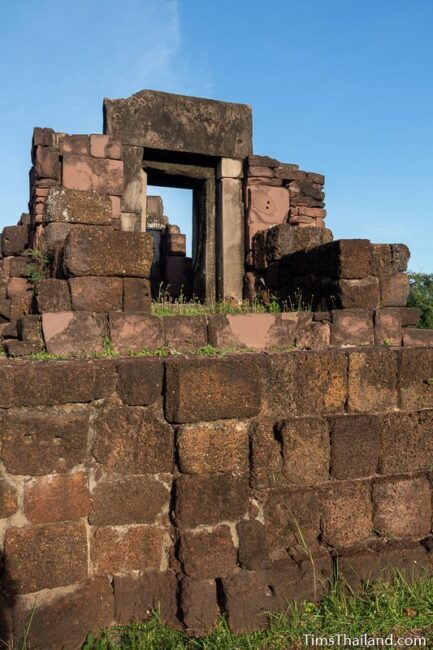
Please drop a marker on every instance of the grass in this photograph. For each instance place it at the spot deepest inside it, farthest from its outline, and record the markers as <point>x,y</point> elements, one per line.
<point>378,610</point>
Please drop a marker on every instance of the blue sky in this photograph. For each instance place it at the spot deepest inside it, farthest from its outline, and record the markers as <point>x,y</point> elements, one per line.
<point>339,86</point>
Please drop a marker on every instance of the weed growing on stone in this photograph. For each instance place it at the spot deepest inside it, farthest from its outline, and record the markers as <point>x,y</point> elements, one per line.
<point>377,610</point>
<point>38,268</point>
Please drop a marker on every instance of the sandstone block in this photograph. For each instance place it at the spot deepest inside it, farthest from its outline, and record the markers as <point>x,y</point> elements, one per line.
<point>232,382</point>
<point>137,596</point>
<point>96,294</point>
<point>103,251</point>
<point>409,316</point>
<point>347,514</point>
<point>352,327</point>
<point>74,333</point>
<point>415,337</point>
<point>175,244</point>
<point>121,500</point>
<point>347,258</point>
<point>53,296</point>
<point>57,497</point>
<point>372,381</point>
<point>102,146</point>
<point>44,440</point>
<point>21,305</point>
<point>394,290</point>
<point>355,446</point>
<point>268,205</point>
<point>199,605</point>
<point>229,168</point>
<point>398,455</point>
<point>77,206</point>
<point>202,500</point>
<point>196,560</point>
<point>135,332</point>
<point>185,333</point>
<point>402,508</point>
<point>8,499</point>
<point>43,557</point>
<point>253,546</point>
<point>46,163</point>
<point>416,375</point>
<point>321,385</point>
<point>266,457</point>
<point>136,295</point>
<point>387,326</point>
<point>357,294</point>
<point>306,450</point>
<point>76,144</point>
<point>286,239</point>
<point>140,381</point>
<point>17,286</point>
<point>29,328</point>
<point>15,348</point>
<point>14,240</point>
<point>252,331</point>
<point>211,447</point>
<point>154,206</point>
<point>43,137</point>
<point>132,440</point>
<point>248,601</point>
<point>93,174</point>
<point>134,548</point>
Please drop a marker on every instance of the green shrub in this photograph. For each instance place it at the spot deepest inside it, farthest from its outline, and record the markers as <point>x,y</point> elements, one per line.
<point>421,296</point>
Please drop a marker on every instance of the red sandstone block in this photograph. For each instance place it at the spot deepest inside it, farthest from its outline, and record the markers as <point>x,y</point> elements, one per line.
<point>394,290</point>
<point>66,618</point>
<point>355,446</point>
<point>43,137</point>
<point>357,294</point>
<point>129,440</point>
<point>14,240</point>
<point>199,605</point>
<point>305,450</point>
<point>315,336</point>
<point>21,305</point>
<point>154,206</point>
<point>74,144</point>
<point>99,174</point>
<point>58,497</point>
<point>46,163</point>
<point>352,327</point>
<point>121,500</point>
<point>409,316</point>
<point>372,381</point>
<point>137,295</point>
<point>43,557</point>
<point>103,146</point>
<point>136,597</point>
<point>316,178</point>
<point>18,266</point>
<point>260,170</point>
<point>96,294</point>
<point>21,348</point>
<point>320,382</point>
<point>252,331</point>
<point>266,456</point>
<point>416,378</point>
<point>416,337</point>
<point>53,296</point>
<point>347,514</point>
<point>266,161</point>
<point>56,382</point>
<point>268,205</point>
<point>211,447</point>
<point>44,441</point>
<point>8,499</point>
<point>209,499</point>
<point>17,286</point>
<point>253,546</point>
<point>196,560</point>
<point>115,207</point>
<point>387,326</point>
<point>402,507</point>
<point>185,333</point>
<point>135,332</point>
<point>175,244</point>
<point>140,381</point>
<point>212,389</point>
<point>76,333</point>
<point>134,548</point>
<point>75,206</point>
<point>396,430</point>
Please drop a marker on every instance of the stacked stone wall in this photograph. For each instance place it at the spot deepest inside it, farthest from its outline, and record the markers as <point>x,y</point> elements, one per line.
<point>208,485</point>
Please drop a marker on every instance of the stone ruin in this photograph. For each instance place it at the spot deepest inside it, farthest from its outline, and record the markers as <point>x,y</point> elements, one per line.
<point>118,475</point>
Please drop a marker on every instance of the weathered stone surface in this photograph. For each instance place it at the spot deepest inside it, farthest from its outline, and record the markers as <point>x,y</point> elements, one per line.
<point>286,239</point>
<point>199,605</point>
<point>416,337</point>
<point>8,499</point>
<point>53,296</point>
<point>93,174</point>
<point>65,620</point>
<point>103,251</point>
<point>406,442</point>
<point>132,440</point>
<point>252,331</point>
<point>136,332</point>
<point>268,205</point>
<point>409,316</point>
<point>154,206</point>
<point>140,381</point>
<point>358,294</point>
<point>402,507</point>
<point>177,123</point>
<point>19,268</point>
<point>347,258</point>
<point>212,389</point>
<point>76,144</point>
<point>394,290</point>
<point>43,137</point>
<point>55,382</point>
<point>321,385</point>
<point>347,514</point>
<point>355,446</point>
<point>211,447</point>
<point>41,441</point>
<point>29,328</point>
<point>102,146</point>
<point>75,206</point>
<point>15,348</point>
<point>54,234</point>
<point>372,381</point>
<point>185,333</point>
<point>46,163</point>
<point>116,550</point>
<point>416,378</point>
<point>136,597</point>
<point>57,497</point>
<point>175,244</point>
<point>137,295</point>
<point>387,326</point>
<point>265,457</point>
<point>121,500</point>
<point>21,305</point>
<point>253,546</point>
<point>70,333</point>
<point>305,450</point>
<point>98,294</point>
<point>210,499</point>
<point>14,240</point>
<point>352,327</point>
<point>196,560</point>
<point>43,557</point>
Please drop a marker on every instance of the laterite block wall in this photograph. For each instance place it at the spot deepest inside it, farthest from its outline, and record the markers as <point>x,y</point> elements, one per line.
<point>203,485</point>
